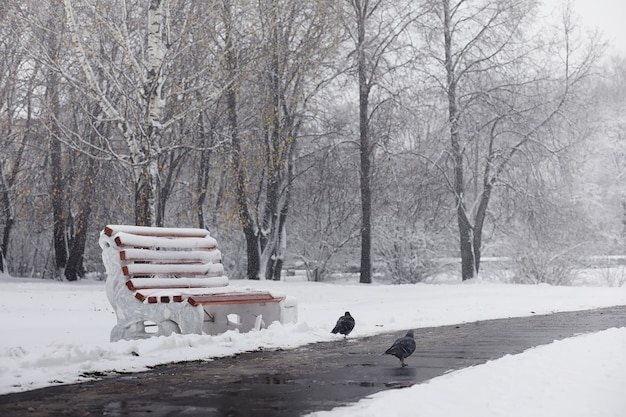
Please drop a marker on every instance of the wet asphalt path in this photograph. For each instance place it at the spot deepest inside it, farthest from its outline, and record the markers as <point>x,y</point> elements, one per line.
<point>314,377</point>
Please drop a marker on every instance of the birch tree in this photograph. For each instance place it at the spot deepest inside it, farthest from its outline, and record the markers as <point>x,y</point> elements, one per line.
<point>129,70</point>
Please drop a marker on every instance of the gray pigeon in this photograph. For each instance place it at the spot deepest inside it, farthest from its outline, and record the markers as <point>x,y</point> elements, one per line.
<point>403,347</point>
<point>344,325</point>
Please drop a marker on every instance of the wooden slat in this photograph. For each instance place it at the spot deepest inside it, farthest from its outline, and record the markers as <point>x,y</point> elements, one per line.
<point>232,298</point>
<point>112,229</point>
<point>154,299</point>
<point>136,284</point>
<point>202,299</point>
<point>171,256</point>
<point>179,270</point>
<point>123,239</point>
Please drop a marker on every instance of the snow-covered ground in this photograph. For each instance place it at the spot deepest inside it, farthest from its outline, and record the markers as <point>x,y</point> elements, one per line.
<point>58,332</point>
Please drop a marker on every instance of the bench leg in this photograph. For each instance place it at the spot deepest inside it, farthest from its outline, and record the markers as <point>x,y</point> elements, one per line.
<point>167,327</point>
<point>137,330</point>
<point>129,331</point>
<point>168,318</point>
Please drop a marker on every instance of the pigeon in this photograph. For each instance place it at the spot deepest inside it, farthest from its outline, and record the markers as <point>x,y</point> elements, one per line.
<point>344,325</point>
<point>403,347</point>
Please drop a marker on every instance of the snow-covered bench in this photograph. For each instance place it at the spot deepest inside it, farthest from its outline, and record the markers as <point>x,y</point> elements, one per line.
<point>171,280</point>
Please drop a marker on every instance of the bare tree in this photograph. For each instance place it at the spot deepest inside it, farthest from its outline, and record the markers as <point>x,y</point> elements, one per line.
<point>296,40</point>
<point>17,85</point>
<point>45,47</point>
<point>84,180</point>
<point>232,69</point>
<point>51,44</point>
<point>275,82</point>
<point>374,28</point>
<point>604,160</point>
<point>504,91</point>
<point>326,213</point>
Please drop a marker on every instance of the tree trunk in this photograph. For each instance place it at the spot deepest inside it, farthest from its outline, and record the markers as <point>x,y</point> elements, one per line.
<point>147,185</point>
<point>6,194</point>
<point>202,177</point>
<point>7,208</point>
<point>176,161</point>
<point>364,151</point>
<point>282,229</point>
<point>623,218</point>
<point>466,240</point>
<point>278,143</point>
<point>57,182</point>
<point>247,223</point>
<point>481,214</point>
<point>74,268</point>
<point>276,250</point>
<point>241,198</point>
<point>144,197</point>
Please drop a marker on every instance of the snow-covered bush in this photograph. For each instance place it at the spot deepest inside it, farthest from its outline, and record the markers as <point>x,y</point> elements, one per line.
<point>407,255</point>
<point>542,267</point>
<point>613,276</point>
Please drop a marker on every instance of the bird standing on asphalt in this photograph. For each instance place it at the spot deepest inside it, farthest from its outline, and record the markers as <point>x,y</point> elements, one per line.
<point>403,347</point>
<point>344,325</point>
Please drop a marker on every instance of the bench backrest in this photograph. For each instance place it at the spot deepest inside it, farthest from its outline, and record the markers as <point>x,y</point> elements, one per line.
<point>158,252</point>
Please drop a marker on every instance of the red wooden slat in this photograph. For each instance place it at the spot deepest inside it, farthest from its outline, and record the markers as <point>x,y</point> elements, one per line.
<point>195,300</point>
<point>153,299</point>
<point>134,240</point>
<point>232,298</point>
<point>110,230</point>
<point>131,286</point>
<point>172,272</point>
<point>198,256</point>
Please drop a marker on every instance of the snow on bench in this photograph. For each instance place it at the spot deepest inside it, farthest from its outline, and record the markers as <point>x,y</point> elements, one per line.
<point>171,280</point>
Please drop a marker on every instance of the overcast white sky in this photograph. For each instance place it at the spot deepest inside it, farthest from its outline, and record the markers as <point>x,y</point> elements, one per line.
<point>606,15</point>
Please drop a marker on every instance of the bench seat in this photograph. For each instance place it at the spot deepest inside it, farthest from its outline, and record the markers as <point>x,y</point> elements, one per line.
<point>233,298</point>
